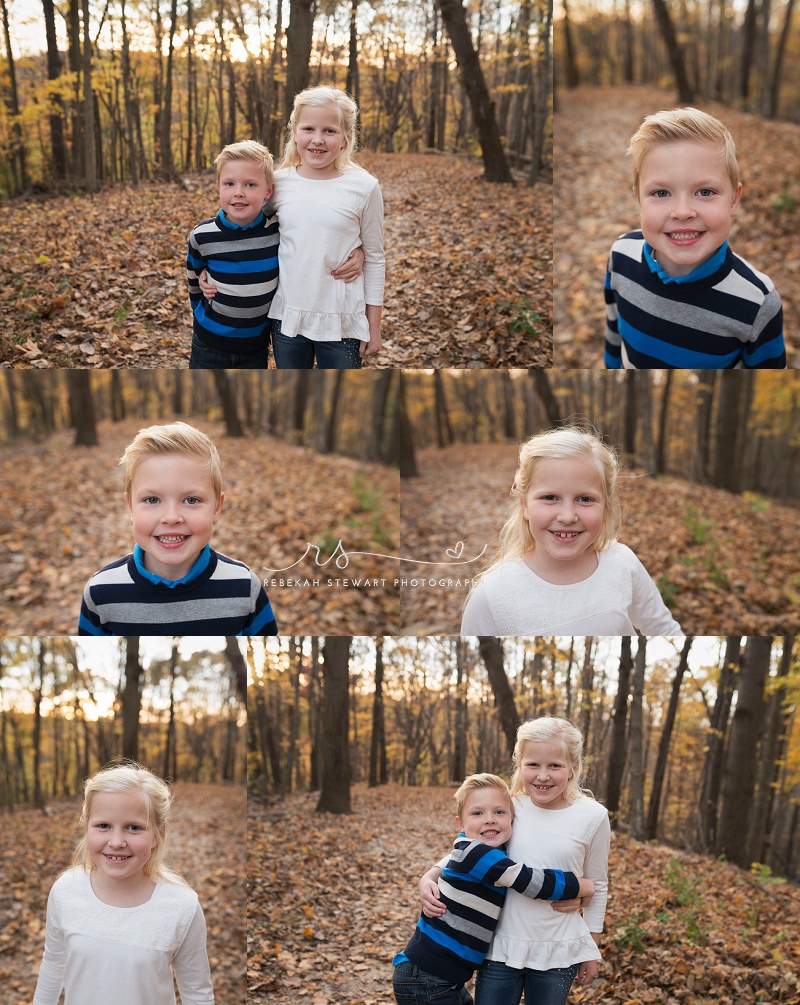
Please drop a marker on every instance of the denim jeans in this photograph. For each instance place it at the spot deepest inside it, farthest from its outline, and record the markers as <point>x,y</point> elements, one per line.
<point>498,984</point>
<point>299,352</point>
<point>203,357</point>
<point>413,986</point>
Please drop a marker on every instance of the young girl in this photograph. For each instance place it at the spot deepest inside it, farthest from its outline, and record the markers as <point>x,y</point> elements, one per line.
<point>119,922</point>
<point>534,949</point>
<point>326,204</point>
<point>560,569</point>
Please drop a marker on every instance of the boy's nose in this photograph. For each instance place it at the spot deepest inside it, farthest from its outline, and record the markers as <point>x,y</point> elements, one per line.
<point>683,208</point>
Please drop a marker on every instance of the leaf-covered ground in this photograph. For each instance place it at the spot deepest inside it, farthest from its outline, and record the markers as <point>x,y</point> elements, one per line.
<point>332,898</point>
<point>207,847</point>
<point>98,281</point>
<point>594,204</point>
<point>723,563</point>
<point>66,518</point>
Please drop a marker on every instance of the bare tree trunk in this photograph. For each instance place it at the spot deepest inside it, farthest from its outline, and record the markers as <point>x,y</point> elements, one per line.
<point>334,795</point>
<point>57,147</point>
<point>131,699</point>
<point>298,51</point>
<point>637,743</point>
<point>715,746</point>
<point>81,408</point>
<point>492,653</point>
<point>616,758</point>
<point>377,751</point>
<point>233,426</point>
<point>89,164</point>
<point>12,102</point>
<point>676,57</point>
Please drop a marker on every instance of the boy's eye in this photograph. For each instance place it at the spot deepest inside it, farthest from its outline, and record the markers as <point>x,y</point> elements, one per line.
<point>706,191</point>
<point>192,500</point>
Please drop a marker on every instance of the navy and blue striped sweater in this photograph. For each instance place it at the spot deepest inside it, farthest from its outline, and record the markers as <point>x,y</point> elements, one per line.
<point>473,888</point>
<point>723,315</point>
<point>242,262</point>
<point>223,598</point>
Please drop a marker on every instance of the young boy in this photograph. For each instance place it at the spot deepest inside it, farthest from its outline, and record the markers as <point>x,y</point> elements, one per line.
<point>174,582</point>
<point>239,250</point>
<point>444,952</point>
<point>676,295</point>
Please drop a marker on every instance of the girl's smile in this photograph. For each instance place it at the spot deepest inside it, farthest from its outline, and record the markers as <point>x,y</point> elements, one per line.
<point>564,508</point>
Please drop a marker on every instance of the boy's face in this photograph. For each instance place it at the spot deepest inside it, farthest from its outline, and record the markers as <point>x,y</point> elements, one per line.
<point>687,202</point>
<point>173,511</point>
<point>486,816</point>
<point>243,190</point>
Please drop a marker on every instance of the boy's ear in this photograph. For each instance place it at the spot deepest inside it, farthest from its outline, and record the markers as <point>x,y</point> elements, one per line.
<point>270,190</point>
<point>128,503</point>
<point>737,198</point>
<point>218,510</point>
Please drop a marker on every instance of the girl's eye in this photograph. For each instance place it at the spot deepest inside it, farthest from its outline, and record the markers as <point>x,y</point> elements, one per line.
<point>586,499</point>
<point>150,500</point>
<point>660,193</point>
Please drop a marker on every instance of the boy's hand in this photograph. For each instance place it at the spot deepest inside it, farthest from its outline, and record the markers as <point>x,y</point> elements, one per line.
<point>429,896</point>
<point>208,289</point>
<point>351,268</point>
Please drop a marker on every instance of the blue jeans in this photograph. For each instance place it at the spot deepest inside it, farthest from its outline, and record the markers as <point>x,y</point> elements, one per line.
<point>413,986</point>
<point>498,984</point>
<point>204,357</point>
<point>299,352</point>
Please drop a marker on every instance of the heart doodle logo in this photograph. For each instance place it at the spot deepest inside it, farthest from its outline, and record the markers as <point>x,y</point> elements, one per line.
<point>455,552</point>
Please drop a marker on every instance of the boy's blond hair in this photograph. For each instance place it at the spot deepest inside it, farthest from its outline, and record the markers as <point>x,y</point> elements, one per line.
<point>678,125</point>
<point>481,781</point>
<point>172,438</point>
<point>347,113</point>
<point>247,150</point>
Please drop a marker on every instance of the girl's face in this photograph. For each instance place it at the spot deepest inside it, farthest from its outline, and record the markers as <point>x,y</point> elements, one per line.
<point>319,140</point>
<point>120,839</point>
<point>563,509</point>
<point>545,772</point>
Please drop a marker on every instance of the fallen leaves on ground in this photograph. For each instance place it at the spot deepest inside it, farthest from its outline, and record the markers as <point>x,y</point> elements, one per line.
<point>333,898</point>
<point>206,846</point>
<point>98,281</point>
<point>67,519</point>
<point>594,204</point>
<point>723,563</point>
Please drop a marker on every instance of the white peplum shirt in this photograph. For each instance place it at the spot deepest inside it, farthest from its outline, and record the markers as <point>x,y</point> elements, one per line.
<point>321,221</point>
<point>530,934</point>
<point>619,598</point>
<point>124,955</point>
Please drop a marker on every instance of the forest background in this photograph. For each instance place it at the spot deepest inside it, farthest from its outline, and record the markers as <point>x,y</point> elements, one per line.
<point>136,93</point>
<point>356,746</point>
<point>68,707</point>
<point>708,484</point>
<point>613,66</point>
<point>306,462</point>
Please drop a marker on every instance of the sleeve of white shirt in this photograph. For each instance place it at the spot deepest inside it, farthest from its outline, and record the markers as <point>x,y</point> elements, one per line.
<point>372,243</point>
<point>190,964</point>
<point>595,868</point>
<point>54,960</point>
<point>478,618</point>
<point>649,614</point>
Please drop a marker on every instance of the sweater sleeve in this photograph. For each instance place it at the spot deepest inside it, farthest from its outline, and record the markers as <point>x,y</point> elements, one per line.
<point>478,618</point>
<point>613,354</point>
<point>262,620</point>
<point>490,865</point>
<point>595,868</point>
<point>649,614</point>
<point>372,244</point>
<point>767,350</point>
<point>190,964</point>
<point>51,972</point>
<point>89,622</point>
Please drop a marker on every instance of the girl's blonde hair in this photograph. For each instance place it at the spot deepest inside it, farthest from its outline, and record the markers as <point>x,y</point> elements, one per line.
<point>172,438</point>
<point>347,111</point>
<point>515,539</point>
<point>128,776</point>
<point>547,729</point>
<point>481,781</point>
<point>676,125</point>
<point>246,150</point>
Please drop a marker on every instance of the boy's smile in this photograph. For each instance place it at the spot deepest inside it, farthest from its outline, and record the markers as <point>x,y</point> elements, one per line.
<point>173,510</point>
<point>687,203</point>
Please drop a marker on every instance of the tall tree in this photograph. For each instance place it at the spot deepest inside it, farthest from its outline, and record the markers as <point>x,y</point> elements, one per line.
<point>491,650</point>
<point>89,152</point>
<point>81,408</point>
<point>616,757</point>
<point>740,767</point>
<point>637,742</point>
<point>298,51</point>
<point>131,699</point>
<point>334,796</point>
<point>18,158</point>
<point>651,828</point>
<point>378,774</point>
<point>58,150</point>
<point>674,51</point>
<point>233,425</point>
<point>494,159</point>
<point>715,745</point>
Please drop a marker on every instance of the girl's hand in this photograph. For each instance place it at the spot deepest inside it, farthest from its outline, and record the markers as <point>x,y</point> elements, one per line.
<point>371,347</point>
<point>567,906</point>
<point>586,972</point>
<point>352,267</point>
<point>429,896</point>
<point>208,289</point>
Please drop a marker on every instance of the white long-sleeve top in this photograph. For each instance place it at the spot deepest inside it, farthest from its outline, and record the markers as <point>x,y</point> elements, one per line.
<point>123,955</point>
<point>619,598</point>
<point>577,838</point>
<point>321,221</point>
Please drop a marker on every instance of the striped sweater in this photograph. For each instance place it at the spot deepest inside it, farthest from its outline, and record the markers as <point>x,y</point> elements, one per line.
<point>242,262</point>
<point>721,316</point>
<point>219,597</point>
<point>473,888</point>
